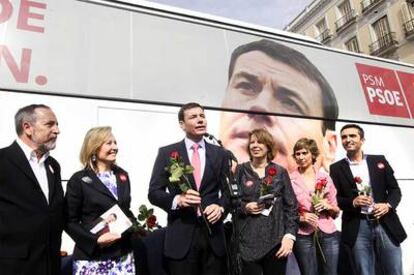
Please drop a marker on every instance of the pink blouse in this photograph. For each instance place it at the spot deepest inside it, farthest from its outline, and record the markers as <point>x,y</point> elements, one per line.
<point>304,196</point>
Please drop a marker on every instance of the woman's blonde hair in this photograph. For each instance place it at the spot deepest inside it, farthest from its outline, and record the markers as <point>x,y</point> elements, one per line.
<point>93,140</point>
<point>264,137</point>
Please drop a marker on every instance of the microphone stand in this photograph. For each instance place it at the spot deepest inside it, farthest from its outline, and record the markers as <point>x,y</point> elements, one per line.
<point>233,192</point>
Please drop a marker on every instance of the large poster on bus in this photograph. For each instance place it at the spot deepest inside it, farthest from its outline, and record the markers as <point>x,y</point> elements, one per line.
<point>156,61</point>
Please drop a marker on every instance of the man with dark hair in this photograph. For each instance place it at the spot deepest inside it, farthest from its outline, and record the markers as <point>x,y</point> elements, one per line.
<point>368,194</point>
<point>31,196</point>
<point>267,79</point>
<point>189,246</point>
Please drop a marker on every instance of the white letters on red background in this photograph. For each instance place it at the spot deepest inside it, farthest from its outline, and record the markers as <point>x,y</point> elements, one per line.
<point>382,91</point>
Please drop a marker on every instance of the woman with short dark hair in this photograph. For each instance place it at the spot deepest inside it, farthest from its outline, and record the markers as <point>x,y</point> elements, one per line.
<point>317,245</point>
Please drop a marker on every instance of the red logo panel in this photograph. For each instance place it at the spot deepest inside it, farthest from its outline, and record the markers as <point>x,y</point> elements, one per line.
<point>382,91</point>
<point>407,83</point>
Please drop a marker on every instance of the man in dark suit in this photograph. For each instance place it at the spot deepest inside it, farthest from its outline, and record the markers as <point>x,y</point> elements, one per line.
<point>188,246</point>
<point>368,194</point>
<point>31,196</point>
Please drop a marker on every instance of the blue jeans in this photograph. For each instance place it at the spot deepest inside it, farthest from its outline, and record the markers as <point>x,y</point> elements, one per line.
<point>374,247</point>
<point>308,254</point>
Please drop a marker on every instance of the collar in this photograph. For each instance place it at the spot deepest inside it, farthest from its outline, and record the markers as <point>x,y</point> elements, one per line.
<point>350,162</point>
<point>29,153</point>
<point>189,143</point>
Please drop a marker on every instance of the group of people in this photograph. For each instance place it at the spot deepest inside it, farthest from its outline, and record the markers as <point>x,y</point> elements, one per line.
<point>279,212</point>
<point>34,210</point>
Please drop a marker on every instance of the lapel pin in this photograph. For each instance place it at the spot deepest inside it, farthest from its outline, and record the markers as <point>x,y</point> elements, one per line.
<point>87,179</point>
<point>380,165</point>
<point>51,169</point>
<point>248,183</point>
<point>123,177</point>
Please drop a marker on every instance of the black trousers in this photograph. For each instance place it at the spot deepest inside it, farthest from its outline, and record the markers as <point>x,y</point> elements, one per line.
<point>268,265</point>
<point>200,259</point>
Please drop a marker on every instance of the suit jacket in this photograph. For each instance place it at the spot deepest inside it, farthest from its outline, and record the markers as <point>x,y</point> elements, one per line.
<point>182,222</point>
<point>86,199</point>
<point>30,227</point>
<point>385,189</point>
<point>259,234</point>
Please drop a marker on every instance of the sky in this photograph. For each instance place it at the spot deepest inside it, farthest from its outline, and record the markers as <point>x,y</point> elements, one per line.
<point>270,13</point>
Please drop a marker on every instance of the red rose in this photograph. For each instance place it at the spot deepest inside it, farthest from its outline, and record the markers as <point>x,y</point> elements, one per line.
<point>151,221</point>
<point>123,177</point>
<point>271,171</point>
<point>268,180</point>
<point>318,186</point>
<point>301,210</point>
<point>358,180</point>
<point>174,155</point>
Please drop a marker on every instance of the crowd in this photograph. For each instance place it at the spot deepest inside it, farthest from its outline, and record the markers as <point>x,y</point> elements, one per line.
<point>279,213</point>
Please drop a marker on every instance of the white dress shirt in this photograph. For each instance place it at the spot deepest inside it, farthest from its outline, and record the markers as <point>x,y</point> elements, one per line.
<point>360,169</point>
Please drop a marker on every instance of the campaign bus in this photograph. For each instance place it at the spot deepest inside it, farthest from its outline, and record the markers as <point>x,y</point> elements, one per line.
<point>131,64</point>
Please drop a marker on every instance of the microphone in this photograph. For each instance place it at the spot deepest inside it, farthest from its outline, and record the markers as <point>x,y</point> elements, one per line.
<point>213,138</point>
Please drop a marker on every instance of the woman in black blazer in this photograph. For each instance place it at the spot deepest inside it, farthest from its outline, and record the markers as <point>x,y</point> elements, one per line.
<point>267,227</point>
<point>90,192</point>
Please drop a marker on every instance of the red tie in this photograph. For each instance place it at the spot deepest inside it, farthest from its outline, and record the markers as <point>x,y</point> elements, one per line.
<point>196,163</point>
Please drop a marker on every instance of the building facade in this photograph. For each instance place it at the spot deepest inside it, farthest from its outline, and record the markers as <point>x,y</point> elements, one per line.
<point>383,28</point>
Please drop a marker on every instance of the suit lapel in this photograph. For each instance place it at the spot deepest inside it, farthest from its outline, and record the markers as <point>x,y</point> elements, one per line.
<point>98,185</point>
<point>121,184</point>
<point>18,158</point>
<point>210,160</point>
<point>346,170</point>
<point>372,173</point>
<point>51,178</point>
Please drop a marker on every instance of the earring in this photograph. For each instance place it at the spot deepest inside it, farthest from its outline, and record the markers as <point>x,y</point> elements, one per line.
<point>93,158</point>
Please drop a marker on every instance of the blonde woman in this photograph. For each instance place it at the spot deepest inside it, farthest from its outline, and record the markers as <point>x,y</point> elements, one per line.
<point>91,191</point>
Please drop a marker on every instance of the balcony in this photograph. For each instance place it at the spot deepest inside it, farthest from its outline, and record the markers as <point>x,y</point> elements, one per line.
<point>409,29</point>
<point>325,36</point>
<point>369,5</point>
<point>384,45</point>
<point>345,21</point>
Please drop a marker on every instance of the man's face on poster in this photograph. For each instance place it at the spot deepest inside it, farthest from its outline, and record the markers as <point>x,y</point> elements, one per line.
<point>262,84</point>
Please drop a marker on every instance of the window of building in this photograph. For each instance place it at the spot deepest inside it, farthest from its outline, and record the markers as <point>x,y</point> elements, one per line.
<point>323,31</point>
<point>345,8</point>
<point>352,45</point>
<point>321,26</point>
<point>381,28</point>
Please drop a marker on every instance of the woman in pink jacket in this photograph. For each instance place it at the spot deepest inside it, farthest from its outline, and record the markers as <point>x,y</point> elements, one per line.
<point>317,244</point>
